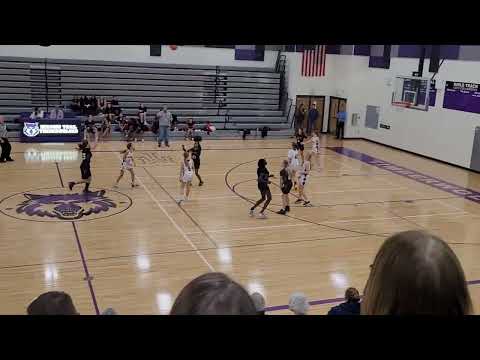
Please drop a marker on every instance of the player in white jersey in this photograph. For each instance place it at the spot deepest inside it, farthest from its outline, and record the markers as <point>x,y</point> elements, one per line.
<point>293,163</point>
<point>186,176</point>
<point>302,181</point>
<point>128,163</point>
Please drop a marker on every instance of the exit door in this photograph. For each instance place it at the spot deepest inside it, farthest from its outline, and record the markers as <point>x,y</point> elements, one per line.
<point>307,101</point>
<point>336,105</point>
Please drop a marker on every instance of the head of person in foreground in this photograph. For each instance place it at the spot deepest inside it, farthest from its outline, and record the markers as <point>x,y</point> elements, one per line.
<point>213,294</point>
<point>416,273</point>
<point>298,304</point>
<point>52,303</point>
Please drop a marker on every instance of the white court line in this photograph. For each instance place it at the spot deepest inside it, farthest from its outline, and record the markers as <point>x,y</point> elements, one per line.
<point>277,194</point>
<point>324,222</point>
<point>174,223</point>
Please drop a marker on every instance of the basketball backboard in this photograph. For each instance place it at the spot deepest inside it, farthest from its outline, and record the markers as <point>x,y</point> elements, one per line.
<point>411,92</point>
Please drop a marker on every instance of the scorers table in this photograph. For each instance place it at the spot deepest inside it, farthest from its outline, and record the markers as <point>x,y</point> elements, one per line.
<point>45,130</point>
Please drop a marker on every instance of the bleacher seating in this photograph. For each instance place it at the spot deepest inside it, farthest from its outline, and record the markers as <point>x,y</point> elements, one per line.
<point>250,95</point>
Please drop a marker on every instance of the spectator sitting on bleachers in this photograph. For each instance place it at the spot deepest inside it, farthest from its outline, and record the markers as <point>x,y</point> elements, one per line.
<point>298,304</point>
<point>174,122</point>
<point>108,111</point>
<point>213,294</point>
<point>36,114</point>
<point>75,105</point>
<point>102,103</point>
<point>416,273</point>
<point>116,106</point>
<point>350,307</point>
<point>3,127</point>
<point>52,303</point>
<point>190,129</point>
<point>56,113</point>
<point>208,128</point>
<point>142,113</point>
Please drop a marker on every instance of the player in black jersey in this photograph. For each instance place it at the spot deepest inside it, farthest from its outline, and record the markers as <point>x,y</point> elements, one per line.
<point>285,185</point>
<point>196,151</point>
<point>300,135</point>
<point>86,150</point>
<point>263,180</point>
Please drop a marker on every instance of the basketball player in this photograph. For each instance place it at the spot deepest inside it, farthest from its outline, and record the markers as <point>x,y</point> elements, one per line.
<point>262,181</point>
<point>293,163</point>
<point>186,176</point>
<point>128,162</point>
<point>86,148</point>
<point>195,152</point>
<point>303,177</point>
<point>300,135</point>
<point>285,185</point>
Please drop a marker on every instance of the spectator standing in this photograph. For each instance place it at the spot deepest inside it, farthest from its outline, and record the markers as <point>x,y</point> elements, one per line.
<point>3,127</point>
<point>350,307</point>
<point>416,273</point>
<point>164,118</point>
<point>299,117</point>
<point>341,118</point>
<point>213,294</point>
<point>312,118</point>
<point>298,304</point>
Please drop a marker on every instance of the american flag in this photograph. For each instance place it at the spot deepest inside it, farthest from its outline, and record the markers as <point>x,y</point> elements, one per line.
<point>313,61</point>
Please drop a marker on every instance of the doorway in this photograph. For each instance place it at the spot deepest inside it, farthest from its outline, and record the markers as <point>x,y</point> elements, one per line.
<point>307,101</point>
<point>336,104</point>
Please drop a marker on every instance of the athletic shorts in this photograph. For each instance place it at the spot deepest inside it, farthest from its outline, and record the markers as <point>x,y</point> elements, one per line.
<point>264,190</point>
<point>303,179</point>
<point>287,186</point>
<point>187,178</point>
<point>86,173</point>
<point>196,163</point>
<point>126,166</point>
<point>301,147</point>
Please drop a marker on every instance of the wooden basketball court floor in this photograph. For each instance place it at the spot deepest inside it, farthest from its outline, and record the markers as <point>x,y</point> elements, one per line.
<point>134,249</point>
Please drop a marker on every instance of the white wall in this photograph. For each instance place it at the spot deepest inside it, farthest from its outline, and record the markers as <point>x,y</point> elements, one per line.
<point>321,86</point>
<point>191,55</point>
<point>438,133</point>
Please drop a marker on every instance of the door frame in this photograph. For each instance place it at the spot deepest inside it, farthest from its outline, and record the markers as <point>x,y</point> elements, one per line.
<point>329,105</point>
<point>310,103</point>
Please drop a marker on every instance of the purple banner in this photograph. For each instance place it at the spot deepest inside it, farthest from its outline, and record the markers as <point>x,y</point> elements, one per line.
<point>462,96</point>
<point>465,193</point>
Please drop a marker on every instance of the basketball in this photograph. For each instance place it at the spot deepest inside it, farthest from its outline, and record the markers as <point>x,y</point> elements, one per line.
<point>173,47</point>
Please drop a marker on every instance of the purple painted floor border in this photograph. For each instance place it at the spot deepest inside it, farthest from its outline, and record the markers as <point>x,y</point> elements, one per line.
<point>467,194</point>
<point>335,300</point>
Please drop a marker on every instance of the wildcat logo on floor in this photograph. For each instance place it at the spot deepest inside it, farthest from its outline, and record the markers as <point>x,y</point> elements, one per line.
<point>47,205</point>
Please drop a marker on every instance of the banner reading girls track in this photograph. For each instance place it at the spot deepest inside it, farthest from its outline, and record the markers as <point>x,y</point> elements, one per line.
<point>462,96</point>
<point>66,130</point>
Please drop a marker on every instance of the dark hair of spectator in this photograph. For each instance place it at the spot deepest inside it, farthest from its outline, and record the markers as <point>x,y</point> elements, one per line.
<point>352,295</point>
<point>213,294</point>
<point>52,303</point>
<point>416,273</point>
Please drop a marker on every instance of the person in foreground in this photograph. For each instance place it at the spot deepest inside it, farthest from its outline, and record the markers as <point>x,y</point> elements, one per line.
<point>52,303</point>
<point>213,294</point>
<point>350,307</point>
<point>298,304</point>
<point>259,302</point>
<point>416,273</point>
